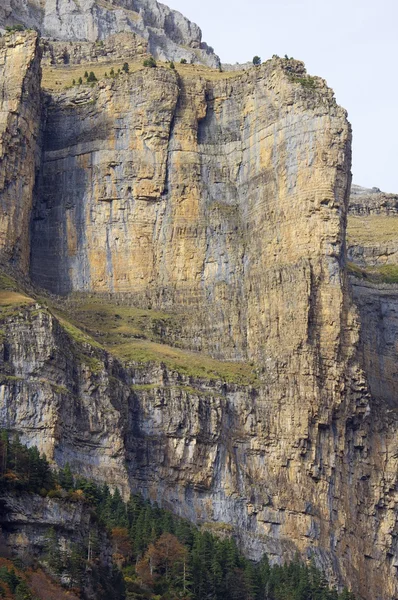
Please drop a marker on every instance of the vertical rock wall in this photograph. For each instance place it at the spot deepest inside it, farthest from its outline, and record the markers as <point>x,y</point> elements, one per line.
<point>20,112</point>
<point>224,199</point>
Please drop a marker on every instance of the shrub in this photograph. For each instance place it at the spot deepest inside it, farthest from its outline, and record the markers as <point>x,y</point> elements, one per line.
<point>80,81</point>
<point>125,67</point>
<point>74,82</point>
<point>12,28</point>
<point>172,65</point>
<point>150,62</point>
<point>183,61</point>
<point>92,78</point>
<point>85,74</point>
<point>256,60</point>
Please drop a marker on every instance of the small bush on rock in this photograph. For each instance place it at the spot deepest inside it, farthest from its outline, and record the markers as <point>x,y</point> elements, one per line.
<point>150,62</point>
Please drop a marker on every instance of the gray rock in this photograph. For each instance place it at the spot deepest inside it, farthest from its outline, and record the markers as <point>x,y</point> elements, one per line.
<point>169,34</point>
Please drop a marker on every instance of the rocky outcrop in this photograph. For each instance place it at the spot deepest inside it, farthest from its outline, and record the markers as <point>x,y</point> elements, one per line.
<point>119,47</point>
<point>20,110</point>
<point>221,198</point>
<point>378,308</point>
<point>373,252</point>
<point>170,36</point>
<point>372,228</point>
<point>53,388</point>
<point>365,201</point>
<point>163,184</point>
<point>284,472</point>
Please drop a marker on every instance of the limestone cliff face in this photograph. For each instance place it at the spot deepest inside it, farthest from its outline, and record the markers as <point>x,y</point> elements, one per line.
<point>286,473</point>
<point>373,228</point>
<point>373,251</point>
<point>170,36</point>
<point>20,109</point>
<point>221,198</point>
<point>187,192</point>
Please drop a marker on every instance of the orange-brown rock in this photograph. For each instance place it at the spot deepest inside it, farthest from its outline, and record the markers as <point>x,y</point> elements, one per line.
<point>19,150</point>
<point>222,200</point>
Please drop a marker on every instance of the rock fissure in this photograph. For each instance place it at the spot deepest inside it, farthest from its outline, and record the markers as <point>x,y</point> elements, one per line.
<point>208,352</point>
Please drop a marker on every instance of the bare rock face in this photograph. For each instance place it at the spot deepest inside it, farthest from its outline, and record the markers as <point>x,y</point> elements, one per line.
<point>187,191</point>
<point>365,201</point>
<point>169,34</point>
<point>222,198</point>
<point>372,248</point>
<point>20,110</point>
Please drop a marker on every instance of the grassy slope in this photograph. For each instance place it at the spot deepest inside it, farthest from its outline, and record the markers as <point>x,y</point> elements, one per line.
<point>372,230</point>
<point>129,333</point>
<point>60,77</point>
<point>382,274</point>
<point>133,335</point>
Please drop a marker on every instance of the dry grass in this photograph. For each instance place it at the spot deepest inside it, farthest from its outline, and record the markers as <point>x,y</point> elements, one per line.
<point>8,298</point>
<point>193,71</point>
<point>371,230</point>
<point>191,364</point>
<point>57,78</point>
<point>134,335</point>
<point>45,589</point>
<point>381,274</point>
<point>60,77</point>
<point>40,584</point>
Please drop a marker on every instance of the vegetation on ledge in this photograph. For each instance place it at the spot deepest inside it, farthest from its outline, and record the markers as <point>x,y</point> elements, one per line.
<point>138,335</point>
<point>381,274</point>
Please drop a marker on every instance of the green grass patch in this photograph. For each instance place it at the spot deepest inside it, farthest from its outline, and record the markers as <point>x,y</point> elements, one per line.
<point>11,298</point>
<point>75,333</point>
<point>4,379</point>
<point>110,323</point>
<point>191,364</point>
<point>381,274</point>
<point>137,335</point>
<point>7,283</point>
<point>307,81</point>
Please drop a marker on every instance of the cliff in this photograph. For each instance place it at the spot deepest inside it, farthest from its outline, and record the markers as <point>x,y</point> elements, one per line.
<point>373,254</point>
<point>168,34</point>
<point>20,110</point>
<point>207,350</point>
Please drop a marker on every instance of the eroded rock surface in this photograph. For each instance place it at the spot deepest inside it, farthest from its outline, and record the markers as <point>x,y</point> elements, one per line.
<point>169,34</point>
<point>20,110</point>
<point>223,199</point>
<point>373,252</point>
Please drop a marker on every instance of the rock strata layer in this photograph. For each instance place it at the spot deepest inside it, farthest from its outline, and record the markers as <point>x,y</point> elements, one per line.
<point>20,124</point>
<point>222,200</point>
<point>170,36</point>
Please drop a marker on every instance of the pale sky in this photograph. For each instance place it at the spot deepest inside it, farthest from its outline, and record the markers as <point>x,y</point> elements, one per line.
<point>353,44</point>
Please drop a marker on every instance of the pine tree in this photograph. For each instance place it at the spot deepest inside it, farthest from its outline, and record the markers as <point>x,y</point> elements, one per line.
<point>66,478</point>
<point>53,554</point>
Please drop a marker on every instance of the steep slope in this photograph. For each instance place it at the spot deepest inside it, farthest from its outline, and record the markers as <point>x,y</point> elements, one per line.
<point>217,201</point>
<point>170,36</point>
<point>20,109</point>
<point>373,254</point>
